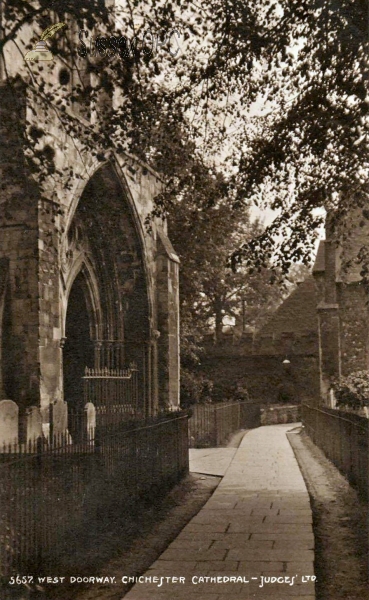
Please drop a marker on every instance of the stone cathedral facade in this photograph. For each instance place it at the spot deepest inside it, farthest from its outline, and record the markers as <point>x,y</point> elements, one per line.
<point>83,283</point>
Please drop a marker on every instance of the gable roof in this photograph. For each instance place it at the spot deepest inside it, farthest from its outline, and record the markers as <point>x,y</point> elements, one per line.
<point>297,313</point>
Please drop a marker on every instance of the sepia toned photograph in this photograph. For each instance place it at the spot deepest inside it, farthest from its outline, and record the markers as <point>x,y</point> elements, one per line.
<point>184,299</point>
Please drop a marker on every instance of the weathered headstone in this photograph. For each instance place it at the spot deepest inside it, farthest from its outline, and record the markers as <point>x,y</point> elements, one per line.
<point>90,412</point>
<point>33,424</point>
<point>9,413</point>
<point>59,418</point>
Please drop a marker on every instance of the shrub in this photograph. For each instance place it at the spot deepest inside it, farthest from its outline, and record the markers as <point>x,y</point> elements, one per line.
<point>241,393</point>
<point>286,393</point>
<point>195,388</point>
<point>228,391</point>
<point>352,391</point>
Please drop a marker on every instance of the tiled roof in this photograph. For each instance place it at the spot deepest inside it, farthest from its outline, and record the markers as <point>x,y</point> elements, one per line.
<point>297,314</point>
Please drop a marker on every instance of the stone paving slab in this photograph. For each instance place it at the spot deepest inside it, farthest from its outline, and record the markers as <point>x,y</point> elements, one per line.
<point>212,461</point>
<point>252,539</point>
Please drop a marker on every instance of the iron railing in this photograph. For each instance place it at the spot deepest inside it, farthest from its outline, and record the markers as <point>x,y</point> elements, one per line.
<point>110,389</point>
<point>50,490</point>
<point>343,437</point>
<point>212,424</point>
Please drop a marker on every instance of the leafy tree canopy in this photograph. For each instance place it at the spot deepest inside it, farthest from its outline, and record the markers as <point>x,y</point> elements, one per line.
<point>273,94</point>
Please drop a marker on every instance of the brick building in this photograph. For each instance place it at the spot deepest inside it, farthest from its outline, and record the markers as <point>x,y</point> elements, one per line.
<point>82,281</point>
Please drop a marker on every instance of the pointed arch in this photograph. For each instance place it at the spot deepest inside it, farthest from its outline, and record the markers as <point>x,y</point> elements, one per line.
<point>83,266</point>
<point>111,171</point>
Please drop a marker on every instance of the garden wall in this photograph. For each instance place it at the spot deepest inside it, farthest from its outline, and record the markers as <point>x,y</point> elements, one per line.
<point>267,380</point>
<point>278,415</point>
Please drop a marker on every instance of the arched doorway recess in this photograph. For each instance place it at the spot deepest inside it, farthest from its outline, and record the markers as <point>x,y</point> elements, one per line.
<point>78,351</point>
<point>106,355</point>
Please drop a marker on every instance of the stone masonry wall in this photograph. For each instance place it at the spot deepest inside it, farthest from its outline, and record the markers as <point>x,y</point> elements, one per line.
<point>49,302</point>
<point>343,306</point>
<point>34,223</point>
<point>19,249</point>
<point>354,318</point>
<point>168,322</point>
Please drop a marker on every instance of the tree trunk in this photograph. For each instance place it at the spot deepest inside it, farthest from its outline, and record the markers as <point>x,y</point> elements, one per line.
<point>218,324</point>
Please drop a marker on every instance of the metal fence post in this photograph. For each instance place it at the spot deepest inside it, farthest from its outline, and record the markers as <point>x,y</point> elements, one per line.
<point>215,413</point>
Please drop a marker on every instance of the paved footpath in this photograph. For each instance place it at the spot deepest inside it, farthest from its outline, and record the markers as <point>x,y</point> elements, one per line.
<point>211,461</point>
<point>252,539</point>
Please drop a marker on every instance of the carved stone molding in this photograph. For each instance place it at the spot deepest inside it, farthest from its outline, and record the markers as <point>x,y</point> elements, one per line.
<point>74,244</point>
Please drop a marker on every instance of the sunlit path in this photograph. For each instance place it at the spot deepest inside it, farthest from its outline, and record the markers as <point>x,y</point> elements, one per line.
<point>252,539</point>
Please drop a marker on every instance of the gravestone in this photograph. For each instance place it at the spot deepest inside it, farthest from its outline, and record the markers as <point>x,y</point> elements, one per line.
<point>33,424</point>
<point>90,413</point>
<point>9,413</point>
<point>59,417</point>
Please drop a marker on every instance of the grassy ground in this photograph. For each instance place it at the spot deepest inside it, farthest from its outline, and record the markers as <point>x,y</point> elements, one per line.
<point>125,545</point>
<point>340,526</point>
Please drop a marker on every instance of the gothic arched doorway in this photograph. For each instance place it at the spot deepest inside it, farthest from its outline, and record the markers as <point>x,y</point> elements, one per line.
<point>108,311</point>
<point>78,351</point>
